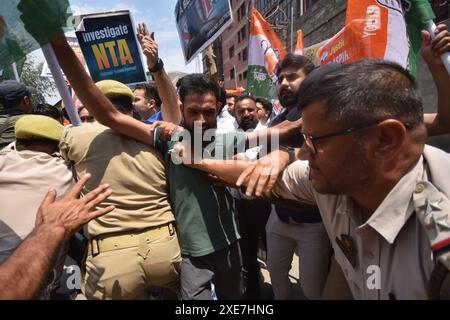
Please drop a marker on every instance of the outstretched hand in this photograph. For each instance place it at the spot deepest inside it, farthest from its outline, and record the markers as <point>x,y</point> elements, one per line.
<point>262,175</point>
<point>71,212</point>
<point>148,44</point>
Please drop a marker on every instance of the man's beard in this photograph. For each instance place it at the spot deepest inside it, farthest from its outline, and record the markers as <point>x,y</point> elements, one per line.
<point>288,100</point>
<point>248,124</point>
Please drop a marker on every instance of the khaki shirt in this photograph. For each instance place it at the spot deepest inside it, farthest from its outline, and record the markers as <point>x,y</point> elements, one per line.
<point>25,178</point>
<point>135,172</point>
<point>391,244</point>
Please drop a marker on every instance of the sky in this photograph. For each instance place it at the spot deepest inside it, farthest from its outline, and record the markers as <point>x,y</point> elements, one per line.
<point>160,18</point>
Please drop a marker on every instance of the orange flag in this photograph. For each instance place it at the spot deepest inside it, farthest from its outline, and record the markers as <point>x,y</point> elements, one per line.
<point>299,48</point>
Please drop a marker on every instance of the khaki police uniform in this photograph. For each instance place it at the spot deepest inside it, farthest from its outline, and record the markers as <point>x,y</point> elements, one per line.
<point>25,178</point>
<point>389,256</point>
<point>135,246</point>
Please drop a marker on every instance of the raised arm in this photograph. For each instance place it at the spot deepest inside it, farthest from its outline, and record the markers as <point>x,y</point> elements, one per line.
<point>170,103</point>
<point>438,123</point>
<point>37,19</point>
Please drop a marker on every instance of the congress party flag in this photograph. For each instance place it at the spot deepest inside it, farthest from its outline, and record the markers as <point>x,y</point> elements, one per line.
<point>418,13</point>
<point>110,47</point>
<point>265,50</point>
<point>383,29</point>
<point>299,47</point>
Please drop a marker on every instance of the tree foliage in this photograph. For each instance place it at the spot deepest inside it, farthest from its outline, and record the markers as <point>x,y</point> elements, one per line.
<point>31,76</point>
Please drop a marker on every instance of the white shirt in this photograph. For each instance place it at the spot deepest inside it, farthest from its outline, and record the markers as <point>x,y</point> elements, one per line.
<point>226,122</point>
<point>392,241</point>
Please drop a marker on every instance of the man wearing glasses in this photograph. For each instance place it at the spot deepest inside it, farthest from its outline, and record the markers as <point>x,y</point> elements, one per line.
<point>382,193</point>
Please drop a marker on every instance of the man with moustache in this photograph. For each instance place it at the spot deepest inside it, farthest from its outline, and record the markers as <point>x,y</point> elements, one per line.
<point>252,213</point>
<point>298,229</point>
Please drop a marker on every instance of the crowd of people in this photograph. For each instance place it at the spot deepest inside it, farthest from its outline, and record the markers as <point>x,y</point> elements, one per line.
<point>176,187</point>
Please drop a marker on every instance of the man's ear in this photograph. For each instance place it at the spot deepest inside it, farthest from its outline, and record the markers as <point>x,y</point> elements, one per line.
<point>26,104</point>
<point>152,103</point>
<point>390,137</point>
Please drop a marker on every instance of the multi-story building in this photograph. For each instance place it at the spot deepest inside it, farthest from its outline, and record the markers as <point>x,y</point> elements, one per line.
<point>235,46</point>
<point>319,20</point>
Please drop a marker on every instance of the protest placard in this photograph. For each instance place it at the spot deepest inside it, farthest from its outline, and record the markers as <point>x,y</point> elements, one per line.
<point>199,23</point>
<point>110,47</point>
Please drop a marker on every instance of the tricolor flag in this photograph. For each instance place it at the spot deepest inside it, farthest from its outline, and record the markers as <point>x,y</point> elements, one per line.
<point>265,50</point>
<point>418,13</point>
<point>383,29</point>
<point>299,47</point>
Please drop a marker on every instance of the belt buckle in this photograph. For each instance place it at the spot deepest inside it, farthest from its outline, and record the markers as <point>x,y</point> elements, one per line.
<point>95,250</point>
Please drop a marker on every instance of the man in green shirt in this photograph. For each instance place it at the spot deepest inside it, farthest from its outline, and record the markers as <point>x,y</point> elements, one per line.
<point>204,213</point>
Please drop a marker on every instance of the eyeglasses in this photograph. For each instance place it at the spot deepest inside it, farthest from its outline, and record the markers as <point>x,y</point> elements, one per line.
<point>85,119</point>
<point>310,141</point>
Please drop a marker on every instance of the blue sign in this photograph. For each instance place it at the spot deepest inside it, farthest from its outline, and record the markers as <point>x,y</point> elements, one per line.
<point>110,48</point>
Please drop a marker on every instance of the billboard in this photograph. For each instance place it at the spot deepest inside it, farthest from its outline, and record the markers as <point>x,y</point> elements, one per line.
<point>199,23</point>
<point>110,47</point>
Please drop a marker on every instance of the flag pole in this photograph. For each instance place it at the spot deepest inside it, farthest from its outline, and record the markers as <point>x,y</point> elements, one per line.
<point>16,74</point>
<point>445,57</point>
<point>55,69</point>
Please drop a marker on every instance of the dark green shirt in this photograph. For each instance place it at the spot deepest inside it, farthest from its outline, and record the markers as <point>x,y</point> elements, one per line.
<point>204,213</point>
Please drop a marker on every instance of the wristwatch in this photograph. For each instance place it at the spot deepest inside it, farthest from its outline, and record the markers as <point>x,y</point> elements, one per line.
<point>158,66</point>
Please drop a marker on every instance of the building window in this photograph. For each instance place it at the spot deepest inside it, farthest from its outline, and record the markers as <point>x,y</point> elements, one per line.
<point>232,73</point>
<point>244,54</point>
<point>242,34</point>
<point>231,52</point>
<point>245,75</point>
<point>240,77</point>
<point>242,10</point>
<point>239,56</point>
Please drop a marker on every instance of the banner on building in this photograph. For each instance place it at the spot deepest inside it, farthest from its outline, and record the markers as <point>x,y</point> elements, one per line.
<point>199,23</point>
<point>15,41</point>
<point>311,51</point>
<point>382,29</point>
<point>265,50</point>
<point>110,47</point>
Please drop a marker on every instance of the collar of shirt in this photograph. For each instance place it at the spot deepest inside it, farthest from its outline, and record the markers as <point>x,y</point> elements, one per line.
<point>224,113</point>
<point>395,210</point>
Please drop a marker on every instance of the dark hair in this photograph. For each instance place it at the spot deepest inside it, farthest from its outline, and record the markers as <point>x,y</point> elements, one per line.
<point>365,92</point>
<point>266,104</point>
<point>244,97</point>
<point>198,83</point>
<point>37,142</point>
<point>178,84</point>
<point>45,109</point>
<point>150,92</point>
<point>296,61</point>
<point>122,103</point>
<point>222,96</point>
<point>232,96</point>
